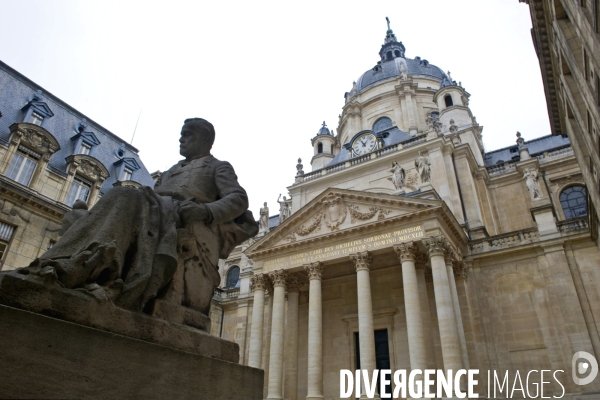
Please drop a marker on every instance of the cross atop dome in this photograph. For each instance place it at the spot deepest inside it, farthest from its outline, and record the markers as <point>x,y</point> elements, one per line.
<point>391,47</point>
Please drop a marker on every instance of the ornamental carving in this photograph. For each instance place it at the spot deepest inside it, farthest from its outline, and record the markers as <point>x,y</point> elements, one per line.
<point>88,167</point>
<point>314,270</point>
<point>423,168</point>
<point>361,260</point>
<point>293,284</point>
<point>433,122</point>
<point>363,216</point>
<point>437,245</point>
<point>405,251</point>
<point>421,261</point>
<point>334,211</point>
<point>278,277</point>
<point>461,270</point>
<point>398,177</point>
<point>315,226</point>
<point>258,282</point>
<point>34,137</point>
<point>532,181</point>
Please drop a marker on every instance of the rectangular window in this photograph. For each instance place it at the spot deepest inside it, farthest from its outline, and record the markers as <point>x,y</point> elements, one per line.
<point>80,190</point>
<point>36,119</point>
<point>84,148</point>
<point>126,175</point>
<point>590,123</point>
<point>6,233</point>
<point>22,165</point>
<point>586,65</point>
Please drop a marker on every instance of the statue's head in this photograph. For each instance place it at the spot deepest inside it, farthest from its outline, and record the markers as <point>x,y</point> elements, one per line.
<point>265,203</point>
<point>197,138</point>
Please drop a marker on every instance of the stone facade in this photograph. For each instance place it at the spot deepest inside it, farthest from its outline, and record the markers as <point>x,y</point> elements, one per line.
<point>481,260</point>
<point>51,155</point>
<point>566,37</point>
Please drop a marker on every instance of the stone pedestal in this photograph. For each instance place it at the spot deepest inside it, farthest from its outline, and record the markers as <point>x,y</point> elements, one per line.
<point>60,343</point>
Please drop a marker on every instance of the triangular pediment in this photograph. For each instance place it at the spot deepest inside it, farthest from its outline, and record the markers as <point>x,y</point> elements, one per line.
<point>340,212</point>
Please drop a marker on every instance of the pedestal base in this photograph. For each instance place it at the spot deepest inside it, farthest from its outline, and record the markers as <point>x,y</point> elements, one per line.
<point>48,358</point>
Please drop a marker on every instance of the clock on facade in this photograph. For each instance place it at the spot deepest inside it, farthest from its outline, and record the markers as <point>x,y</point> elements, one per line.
<point>364,144</point>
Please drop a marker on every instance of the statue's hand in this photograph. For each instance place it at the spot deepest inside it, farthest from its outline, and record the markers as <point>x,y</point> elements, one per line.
<point>190,211</point>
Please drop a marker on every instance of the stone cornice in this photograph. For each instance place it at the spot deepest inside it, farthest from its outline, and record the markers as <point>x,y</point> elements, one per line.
<point>30,199</point>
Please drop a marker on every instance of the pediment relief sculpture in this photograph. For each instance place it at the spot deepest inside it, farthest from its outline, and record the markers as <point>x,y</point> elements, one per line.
<point>34,137</point>
<point>88,167</point>
<point>334,211</point>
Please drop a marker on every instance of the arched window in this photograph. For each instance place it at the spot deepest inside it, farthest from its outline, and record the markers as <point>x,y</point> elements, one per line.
<point>573,201</point>
<point>397,53</point>
<point>233,277</point>
<point>320,148</point>
<point>390,55</point>
<point>382,124</point>
<point>448,100</point>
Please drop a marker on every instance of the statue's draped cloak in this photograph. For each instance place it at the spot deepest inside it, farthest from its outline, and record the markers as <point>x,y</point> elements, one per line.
<point>131,234</point>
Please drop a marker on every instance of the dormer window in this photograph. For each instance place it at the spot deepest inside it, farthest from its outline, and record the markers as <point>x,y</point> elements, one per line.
<point>36,110</point>
<point>126,174</point>
<point>84,141</point>
<point>125,167</point>
<point>30,150</point>
<point>36,119</point>
<point>85,179</point>
<point>80,190</point>
<point>22,165</point>
<point>84,148</point>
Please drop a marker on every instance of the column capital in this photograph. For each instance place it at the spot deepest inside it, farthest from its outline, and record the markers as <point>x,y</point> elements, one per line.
<point>293,284</point>
<point>361,260</point>
<point>278,277</point>
<point>259,282</point>
<point>405,251</point>
<point>314,270</point>
<point>436,245</point>
<point>420,261</point>
<point>461,270</point>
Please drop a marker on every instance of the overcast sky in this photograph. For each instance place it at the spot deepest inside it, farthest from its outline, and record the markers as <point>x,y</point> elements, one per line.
<point>266,74</point>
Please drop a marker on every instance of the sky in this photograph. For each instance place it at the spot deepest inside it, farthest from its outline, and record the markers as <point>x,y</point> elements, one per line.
<point>266,74</point>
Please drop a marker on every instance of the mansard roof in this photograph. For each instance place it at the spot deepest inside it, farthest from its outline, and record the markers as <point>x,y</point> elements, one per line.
<point>535,146</point>
<point>17,91</point>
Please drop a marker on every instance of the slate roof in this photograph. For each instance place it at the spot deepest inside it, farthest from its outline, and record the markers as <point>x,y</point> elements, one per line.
<point>535,146</point>
<point>391,69</point>
<point>14,92</point>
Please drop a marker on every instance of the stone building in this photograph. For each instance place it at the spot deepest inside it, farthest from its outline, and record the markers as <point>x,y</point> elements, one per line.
<point>566,35</point>
<point>50,156</point>
<point>410,247</point>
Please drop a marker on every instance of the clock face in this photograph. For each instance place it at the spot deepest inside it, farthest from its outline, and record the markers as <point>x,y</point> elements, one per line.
<point>364,144</point>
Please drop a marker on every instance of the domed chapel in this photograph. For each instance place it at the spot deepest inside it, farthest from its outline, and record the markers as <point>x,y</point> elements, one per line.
<point>408,246</point>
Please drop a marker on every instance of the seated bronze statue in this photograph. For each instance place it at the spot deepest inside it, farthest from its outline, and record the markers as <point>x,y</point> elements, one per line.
<point>138,245</point>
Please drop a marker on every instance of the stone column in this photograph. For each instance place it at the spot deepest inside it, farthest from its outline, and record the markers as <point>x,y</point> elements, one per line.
<point>362,262</point>
<point>264,363</point>
<point>420,265</point>
<point>277,331</point>
<point>315,331</point>
<point>412,303</point>
<point>291,339</point>
<point>450,258</point>
<point>258,283</point>
<point>450,343</point>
